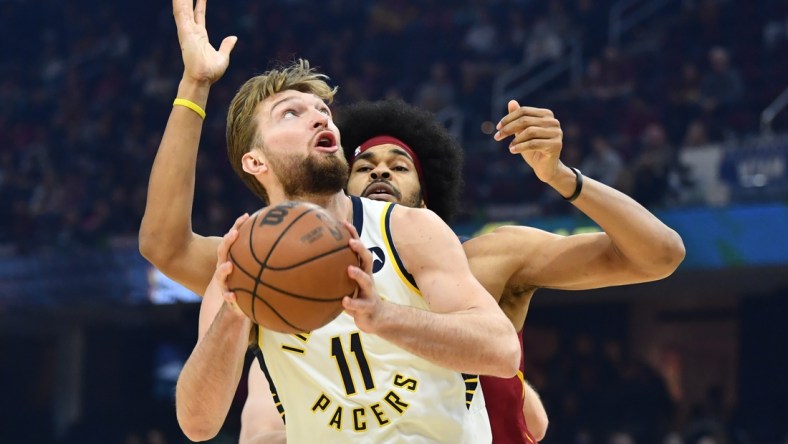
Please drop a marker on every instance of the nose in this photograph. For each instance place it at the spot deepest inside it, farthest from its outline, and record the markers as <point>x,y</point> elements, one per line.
<point>320,120</point>
<point>380,172</point>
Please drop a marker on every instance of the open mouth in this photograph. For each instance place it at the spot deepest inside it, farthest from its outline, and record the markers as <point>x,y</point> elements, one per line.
<point>381,191</point>
<point>326,142</point>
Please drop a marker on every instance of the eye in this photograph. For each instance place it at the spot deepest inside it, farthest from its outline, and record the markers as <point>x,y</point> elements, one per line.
<point>289,113</point>
<point>401,169</point>
<point>325,111</point>
<point>363,169</point>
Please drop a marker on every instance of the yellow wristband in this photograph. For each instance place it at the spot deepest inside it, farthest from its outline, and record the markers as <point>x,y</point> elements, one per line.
<point>191,105</point>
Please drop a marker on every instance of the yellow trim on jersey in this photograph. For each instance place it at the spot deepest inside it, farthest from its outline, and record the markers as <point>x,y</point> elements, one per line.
<point>390,249</point>
<point>522,380</point>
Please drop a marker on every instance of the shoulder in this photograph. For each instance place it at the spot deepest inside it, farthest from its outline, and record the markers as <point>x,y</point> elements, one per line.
<point>418,224</point>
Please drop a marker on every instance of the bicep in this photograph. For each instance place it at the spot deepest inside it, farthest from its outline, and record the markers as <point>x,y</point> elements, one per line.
<point>576,262</point>
<point>434,256</point>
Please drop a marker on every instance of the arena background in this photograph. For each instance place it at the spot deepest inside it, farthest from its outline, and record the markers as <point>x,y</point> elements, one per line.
<point>677,103</point>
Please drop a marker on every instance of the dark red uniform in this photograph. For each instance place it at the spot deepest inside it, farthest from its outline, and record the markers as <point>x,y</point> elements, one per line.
<point>504,399</point>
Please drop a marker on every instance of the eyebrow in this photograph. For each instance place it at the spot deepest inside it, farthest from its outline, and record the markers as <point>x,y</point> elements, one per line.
<point>366,155</point>
<point>286,99</point>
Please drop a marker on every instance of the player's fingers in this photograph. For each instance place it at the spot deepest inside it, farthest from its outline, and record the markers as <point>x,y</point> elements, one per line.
<point>182,10</point>
<point>350,229</point>
<point>517,126</point>
<point>364,256</point>
<point>536,133</point>
<point>227,45</point>
<point>224,246</point>
<point>223,270</point>
<point>199,12</point>
<point>366,285</point>
<point>543,145</point>
<point>521,111</point>
<point>240,220</point>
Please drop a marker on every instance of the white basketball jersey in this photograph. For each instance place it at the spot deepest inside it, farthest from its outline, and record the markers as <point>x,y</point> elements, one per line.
<point>339,385</point>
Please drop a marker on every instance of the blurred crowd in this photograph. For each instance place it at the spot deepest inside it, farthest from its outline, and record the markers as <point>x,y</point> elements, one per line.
<point>86,88</point>
<point>85,91</point>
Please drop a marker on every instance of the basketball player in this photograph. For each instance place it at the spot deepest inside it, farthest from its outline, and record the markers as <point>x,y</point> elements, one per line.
<point>166,229</point>
<point>389,368</point>
<point>398,153</point>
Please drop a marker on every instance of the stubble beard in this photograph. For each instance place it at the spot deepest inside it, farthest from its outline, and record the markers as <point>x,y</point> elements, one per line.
<point>316,175</point>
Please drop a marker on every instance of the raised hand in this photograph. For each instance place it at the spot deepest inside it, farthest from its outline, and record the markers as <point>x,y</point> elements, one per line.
<point>537,137</point>
<point>202,63</point>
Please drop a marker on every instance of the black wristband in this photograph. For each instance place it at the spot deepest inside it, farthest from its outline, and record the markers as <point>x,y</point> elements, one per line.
<point>578,185</point>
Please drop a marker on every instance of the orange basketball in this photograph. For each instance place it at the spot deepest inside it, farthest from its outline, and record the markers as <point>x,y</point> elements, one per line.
<point>290,267</point>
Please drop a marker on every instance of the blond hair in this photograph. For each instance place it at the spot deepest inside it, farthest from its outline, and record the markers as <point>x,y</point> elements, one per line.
<point>241,124</point>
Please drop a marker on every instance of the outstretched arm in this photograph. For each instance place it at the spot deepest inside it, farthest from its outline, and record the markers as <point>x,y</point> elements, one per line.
<point>464,328</point>
<point>634,247</point>
<point>166,238</point>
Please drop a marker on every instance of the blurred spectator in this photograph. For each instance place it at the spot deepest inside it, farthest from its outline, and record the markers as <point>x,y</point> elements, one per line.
<point>683,99</point>
<point>603,163</point>
<point>437,92</point>
<point>610,77</point>
<point>652,168</point>
<point>697,135</point>
<point>544,43</point>
<point>720,91</point>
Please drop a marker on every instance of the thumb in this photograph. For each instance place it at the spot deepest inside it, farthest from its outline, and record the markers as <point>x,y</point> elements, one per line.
<point>227,45</point>
<point>513,105</point>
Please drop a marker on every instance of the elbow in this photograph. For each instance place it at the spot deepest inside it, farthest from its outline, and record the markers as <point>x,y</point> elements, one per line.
<point>146,240</point>
<point>508,362</point>
<point>197,431</point>
<point>159,252</point>
<point>672,255</point>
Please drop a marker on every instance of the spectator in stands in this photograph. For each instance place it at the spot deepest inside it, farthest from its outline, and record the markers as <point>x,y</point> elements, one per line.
<point>603,162</point>
<point>437,92</point>
<point>720,91</point>
<point>652,168</point>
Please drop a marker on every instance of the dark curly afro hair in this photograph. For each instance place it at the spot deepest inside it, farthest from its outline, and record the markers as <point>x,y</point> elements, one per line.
<point>440,155</point>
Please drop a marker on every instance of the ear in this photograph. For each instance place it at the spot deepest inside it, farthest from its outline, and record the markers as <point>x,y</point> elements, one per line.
<point>254,163</point>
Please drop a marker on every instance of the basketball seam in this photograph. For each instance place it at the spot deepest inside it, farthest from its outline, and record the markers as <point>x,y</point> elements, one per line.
<point>264,264</point>
<point>258,281</point>
<point>313,258</point>
<point>276,312</point>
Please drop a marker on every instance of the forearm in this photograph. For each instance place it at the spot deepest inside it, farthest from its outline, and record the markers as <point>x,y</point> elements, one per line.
<point>166,224</point>
<point>268,437</point>
<point>474,341</point>
<point>209,378</point>
<point>636,234</point>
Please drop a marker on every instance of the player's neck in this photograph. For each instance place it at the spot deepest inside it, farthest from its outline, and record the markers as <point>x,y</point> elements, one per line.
<point>337,204</point>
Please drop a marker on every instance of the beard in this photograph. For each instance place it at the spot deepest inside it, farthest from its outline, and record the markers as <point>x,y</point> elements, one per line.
<point>412,200</point>
<point>317,174</point>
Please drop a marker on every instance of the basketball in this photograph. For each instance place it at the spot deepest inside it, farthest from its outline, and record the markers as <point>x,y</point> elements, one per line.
<point>290,267</point>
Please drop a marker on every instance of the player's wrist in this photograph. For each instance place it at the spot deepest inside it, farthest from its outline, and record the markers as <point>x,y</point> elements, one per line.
<point>567,182</point>
<point>194,90</point>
